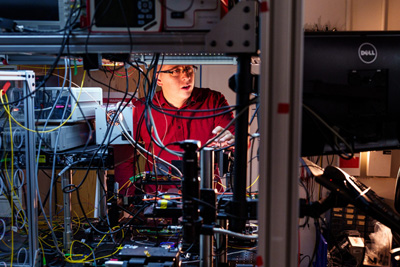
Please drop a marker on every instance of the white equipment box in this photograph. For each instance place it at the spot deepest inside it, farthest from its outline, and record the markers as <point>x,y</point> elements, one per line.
<point>71,136</point>
<point>88,99</point>
<point>195,15</point>
<point>108,124</point>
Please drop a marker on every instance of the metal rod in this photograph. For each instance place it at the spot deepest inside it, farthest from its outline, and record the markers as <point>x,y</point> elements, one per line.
<point>237,235</point>
<point>65,181</point>
<point>191,219</point>
<point>32,187</point>
<point>206,259</point>
<point>243,90</point>
<point>207,168</point>
<point>222,242</point>
<point>100,210</point>
<point>207,181</point>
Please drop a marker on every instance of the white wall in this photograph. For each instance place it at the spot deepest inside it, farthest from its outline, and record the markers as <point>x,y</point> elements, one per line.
<point>319,14</point>
<point>367,15</point>
<point>354,15</point>
<point>393,19</point>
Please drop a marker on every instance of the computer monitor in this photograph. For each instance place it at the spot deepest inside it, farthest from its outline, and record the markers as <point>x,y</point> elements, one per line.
<point>351,92</point>
<point>43,15</point>
<point>124,15</point>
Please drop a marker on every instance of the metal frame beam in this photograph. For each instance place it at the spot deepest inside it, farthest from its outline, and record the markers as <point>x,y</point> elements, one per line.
<point>281,96</point>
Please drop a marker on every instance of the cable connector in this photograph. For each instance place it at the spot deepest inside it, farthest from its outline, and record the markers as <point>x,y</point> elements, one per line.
<point>5,88</point>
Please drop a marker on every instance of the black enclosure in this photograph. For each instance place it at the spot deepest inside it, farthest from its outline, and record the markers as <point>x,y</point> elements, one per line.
<point>351,92</point>
<point>28,10</point>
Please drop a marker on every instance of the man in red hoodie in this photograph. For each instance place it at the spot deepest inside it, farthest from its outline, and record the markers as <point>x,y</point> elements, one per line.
<point>179,111</point>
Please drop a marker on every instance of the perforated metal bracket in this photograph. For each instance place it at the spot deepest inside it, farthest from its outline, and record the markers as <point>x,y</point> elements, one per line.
<point>237,32</point>
<point>30,79</point>
<point>28,76</point>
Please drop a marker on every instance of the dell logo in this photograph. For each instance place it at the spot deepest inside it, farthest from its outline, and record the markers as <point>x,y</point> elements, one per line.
<point>367,53</point>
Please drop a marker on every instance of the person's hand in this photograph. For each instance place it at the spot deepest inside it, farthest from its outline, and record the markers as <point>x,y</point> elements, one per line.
<point>225,139</point>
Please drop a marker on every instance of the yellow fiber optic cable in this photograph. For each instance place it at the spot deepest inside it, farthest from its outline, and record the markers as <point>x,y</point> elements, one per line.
<point>253,182</point>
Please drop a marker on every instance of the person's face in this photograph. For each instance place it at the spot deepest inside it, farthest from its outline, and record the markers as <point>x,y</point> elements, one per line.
<point>177,82</point>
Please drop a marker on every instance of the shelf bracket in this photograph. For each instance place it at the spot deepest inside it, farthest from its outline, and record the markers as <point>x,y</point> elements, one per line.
<point>237,31</point>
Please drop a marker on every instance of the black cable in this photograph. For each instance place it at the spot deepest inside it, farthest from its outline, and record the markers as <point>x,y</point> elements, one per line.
<point>147,111</point>
<point>88,140</point>
<point>86,174</point>
<point>95,154</point>
<point>106,85</point>
<point>156,185</point>
<point>50,221</point>
<point>304,257</point>
<point>146,83</point>
<point>65,42</point>
<point>47,76</point>
<point>160,110</point>
<point>187,250</point>
<point>332,160</point>
<point>127,26</point>
<point>335,147</point>
<point>255,113</point>
<point>203,202</point>
<point>110,232</point>
<point>120,109</point>
<point>226,127</point>
<point>223,148</point>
